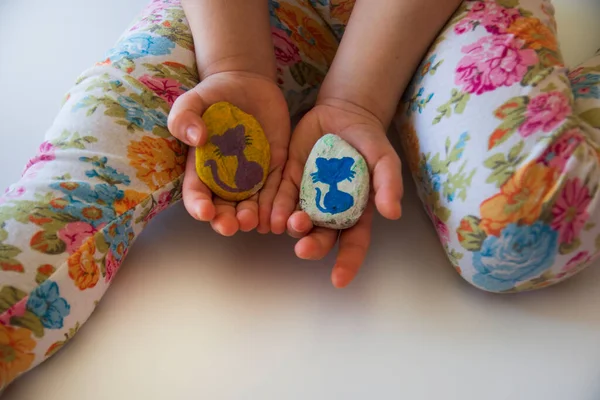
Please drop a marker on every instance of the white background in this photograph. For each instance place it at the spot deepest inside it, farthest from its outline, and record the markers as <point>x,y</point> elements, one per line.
<point>192,315</point>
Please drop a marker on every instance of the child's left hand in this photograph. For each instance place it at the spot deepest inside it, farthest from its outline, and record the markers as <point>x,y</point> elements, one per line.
<point>367,134</point>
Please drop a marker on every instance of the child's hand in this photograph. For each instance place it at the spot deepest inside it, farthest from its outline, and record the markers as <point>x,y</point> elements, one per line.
<point>258,96</point>
<point>366,133</point>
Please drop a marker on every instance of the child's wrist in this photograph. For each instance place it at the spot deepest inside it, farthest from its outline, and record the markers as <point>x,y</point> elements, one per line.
<point>244,64</point>
<point>352,99</point>
<point>351,106</point>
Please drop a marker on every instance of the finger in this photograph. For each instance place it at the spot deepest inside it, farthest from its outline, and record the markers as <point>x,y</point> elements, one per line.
<point>185,119</point>
<point>385,166</point>
<point>354,243</point>
<point>304,138</point>
<point>247,214</point>
<point>317,244</point>
<point>197,198</point>
<point>286,200</point>
<point>388,187</point>
<point>266,199</point>
<point>299,224</point>
<point>225,221</point>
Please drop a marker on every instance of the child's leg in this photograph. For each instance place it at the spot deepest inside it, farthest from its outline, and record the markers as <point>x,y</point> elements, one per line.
<point>504,147</point>
<point>107,167</point>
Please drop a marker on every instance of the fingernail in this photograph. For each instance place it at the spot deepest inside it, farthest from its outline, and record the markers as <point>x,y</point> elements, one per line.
<point>193,134</point>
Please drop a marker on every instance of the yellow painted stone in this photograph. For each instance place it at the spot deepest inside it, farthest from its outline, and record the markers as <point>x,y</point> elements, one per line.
<point>234,162</point>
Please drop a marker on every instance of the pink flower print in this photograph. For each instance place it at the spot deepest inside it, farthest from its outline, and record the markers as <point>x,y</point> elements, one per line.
<point>46,153</point>
<point>544,113</point>
<point>493,17</point>
<point>558,153</point>
<point>570,210</point>
<point>112,265</point>
<point>575,264</point>
<point>167,89</point>
<point>440,227</point>
<point>286,52</point>
<point>15,192</point>
<point>16,310</point>
<point>493,62</point>
<point>163,202</point>
<point>12,193</point>
<point>74,234</point>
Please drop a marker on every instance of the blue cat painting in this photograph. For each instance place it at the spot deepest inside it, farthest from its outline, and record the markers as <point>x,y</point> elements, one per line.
<point>331,172</point>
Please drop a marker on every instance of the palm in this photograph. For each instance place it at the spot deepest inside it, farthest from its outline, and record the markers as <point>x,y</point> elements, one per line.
<point>259,97</point>
<point>365,133</point>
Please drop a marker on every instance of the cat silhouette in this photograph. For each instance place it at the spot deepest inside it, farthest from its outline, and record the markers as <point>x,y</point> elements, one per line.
<point>232,144</point>
<point>331,172</point>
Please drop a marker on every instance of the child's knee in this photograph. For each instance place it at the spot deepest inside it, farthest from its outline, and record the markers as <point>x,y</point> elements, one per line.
<point>537,229</point>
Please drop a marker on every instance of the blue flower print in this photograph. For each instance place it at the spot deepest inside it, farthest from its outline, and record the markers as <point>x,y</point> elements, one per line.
<point>586,86</point>
<point>120,235</point>
<point>519,254</point>
<point>94,206</point>
<point>141,116</point>
<point>140,45</point>
<point>431,180</point>
<point>46,303</point>
<point>418,103</point>
<point>460,146</point>
<point>104,172</point>
<point>425,68</point>
<point>275,21</point>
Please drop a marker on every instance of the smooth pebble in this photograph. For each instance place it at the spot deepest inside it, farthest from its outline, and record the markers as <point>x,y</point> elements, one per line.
<point>234,162</point>
<point>335,185</point>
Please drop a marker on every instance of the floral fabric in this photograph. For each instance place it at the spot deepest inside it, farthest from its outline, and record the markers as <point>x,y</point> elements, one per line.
<point>500,137</point>
<point>502,141</point>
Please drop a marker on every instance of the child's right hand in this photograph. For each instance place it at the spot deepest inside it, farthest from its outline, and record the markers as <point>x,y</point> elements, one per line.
<point>257,95</point>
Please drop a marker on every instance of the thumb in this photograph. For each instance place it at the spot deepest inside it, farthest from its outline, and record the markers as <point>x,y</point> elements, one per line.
<point>185,119</point>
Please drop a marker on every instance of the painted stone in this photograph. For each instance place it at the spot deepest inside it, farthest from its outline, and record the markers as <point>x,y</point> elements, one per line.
<point>234,162</point>
<point>335,185</point>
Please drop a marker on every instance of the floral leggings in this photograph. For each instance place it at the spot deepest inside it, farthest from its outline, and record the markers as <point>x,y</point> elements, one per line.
<point>501,138</point>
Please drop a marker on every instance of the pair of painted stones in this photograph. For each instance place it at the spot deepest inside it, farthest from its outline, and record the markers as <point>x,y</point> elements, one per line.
<point>234,163</point>
<point>335,185</point>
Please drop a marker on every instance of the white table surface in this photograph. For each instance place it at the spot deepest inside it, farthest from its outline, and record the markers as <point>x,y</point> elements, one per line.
<point>193,315</point>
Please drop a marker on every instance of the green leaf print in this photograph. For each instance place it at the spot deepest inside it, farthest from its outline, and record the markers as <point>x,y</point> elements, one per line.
<point>68,140</point>
<point>161,131</point>
<point>47,243</point>
<point>470,235</point>
<point>7,258</point>
<point>504,168</point>
<point>54,348</point>
<point>306,74</point>
<point>454,256</point>
<point>567,248</point>
<point>105,83</point>
<point>174,29</point>
<point>458,183</point>
<point>508,3</point>
<point>458,102</point>
<point>9,296</point>
<point>592,117</point>
<point>442,213</point>
<point>43,273</point>
<point>512,114</point>
<point>29,321</point>
<point>101,244</point>
<point>536,74</point>
<point>171,70</point>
